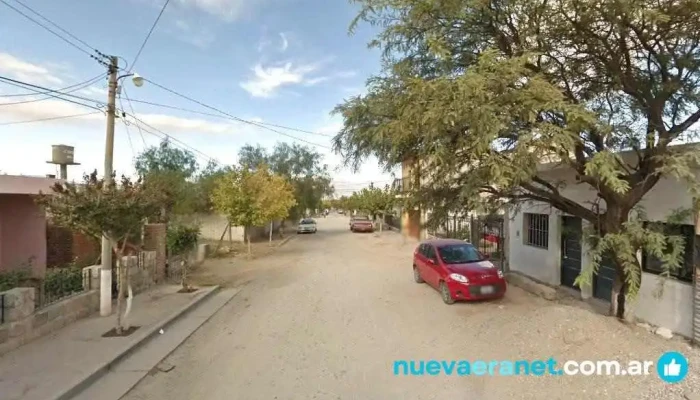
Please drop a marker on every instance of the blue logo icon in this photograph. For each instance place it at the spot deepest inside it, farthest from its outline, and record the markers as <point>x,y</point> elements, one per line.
<point>672,367</point>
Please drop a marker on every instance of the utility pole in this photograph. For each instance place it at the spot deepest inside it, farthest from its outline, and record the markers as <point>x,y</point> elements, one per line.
<point>106,268</point>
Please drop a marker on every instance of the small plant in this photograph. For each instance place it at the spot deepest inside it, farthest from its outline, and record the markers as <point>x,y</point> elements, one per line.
<point>62,282</point>
<point>12,279</point>
<point>179,240</point>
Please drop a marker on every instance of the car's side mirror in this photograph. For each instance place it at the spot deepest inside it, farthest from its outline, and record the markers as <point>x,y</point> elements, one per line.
<point>485,256</point>
<point>432,261</point>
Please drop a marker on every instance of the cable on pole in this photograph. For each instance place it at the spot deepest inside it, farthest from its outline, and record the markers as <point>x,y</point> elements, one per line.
<point>148,36</point>
<point>49,119</point>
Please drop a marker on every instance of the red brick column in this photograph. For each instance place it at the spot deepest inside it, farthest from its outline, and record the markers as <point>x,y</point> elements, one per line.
<point>154,240</point>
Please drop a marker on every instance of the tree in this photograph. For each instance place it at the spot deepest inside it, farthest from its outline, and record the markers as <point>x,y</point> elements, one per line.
<point>276,195</point>
<point>180,240</point>
<point>117,209</point>
<point>300,165</point>
<point>376,201</point>
<point>251,197</point>
<point>170,174</point>
<point>482,92</point>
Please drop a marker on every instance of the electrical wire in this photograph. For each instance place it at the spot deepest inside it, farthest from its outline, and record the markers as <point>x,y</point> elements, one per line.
<point>149,34</point>
<point>131,107</point>
<point>45,27</point>
<point>126,127</point>
<point>225,117</point>
<point>49,119</point>
<point>234,117</point>
<point>88,82</point>
<point>29,86</point>
<point>59,91</point>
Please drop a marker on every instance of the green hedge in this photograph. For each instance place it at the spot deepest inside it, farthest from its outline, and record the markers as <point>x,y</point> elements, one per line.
<point>61,282</point>
<point>12,279</point>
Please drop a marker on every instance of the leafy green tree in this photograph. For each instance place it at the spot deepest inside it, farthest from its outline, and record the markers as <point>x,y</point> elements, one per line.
<point>276,196</point>
<point>170,172</point>
<point>252,197</point>
<point>483,92</point>
<point>301,165</point>
<point>180,240</point>
<point>117,210</point>
<point>376,201</point>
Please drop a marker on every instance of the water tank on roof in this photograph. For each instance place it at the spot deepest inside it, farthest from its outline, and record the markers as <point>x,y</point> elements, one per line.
<point>62,154</point>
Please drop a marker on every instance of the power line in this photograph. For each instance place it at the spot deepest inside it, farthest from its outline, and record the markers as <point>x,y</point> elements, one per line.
<point>149,35</point>
<point>56,25</point>
<point>62,91</point>
<point>226,117</point>
<point>89,81</point>
<point>131,107</point>
<point>49,119</point>
<point>46,27</point>
<point>234,117</point>
<point>25,85</point>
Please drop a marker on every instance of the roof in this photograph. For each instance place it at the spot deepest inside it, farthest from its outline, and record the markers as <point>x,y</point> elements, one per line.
<point>20,184</point>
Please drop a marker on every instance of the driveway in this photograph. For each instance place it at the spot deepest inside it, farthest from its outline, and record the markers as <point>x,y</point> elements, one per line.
<point>325,316</point>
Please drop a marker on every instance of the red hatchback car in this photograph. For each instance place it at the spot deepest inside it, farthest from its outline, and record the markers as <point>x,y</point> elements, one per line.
<point>458,270</point>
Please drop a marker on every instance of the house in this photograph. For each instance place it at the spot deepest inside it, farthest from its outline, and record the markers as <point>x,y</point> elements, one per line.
<point>23,223</point>
<point>547,245</point>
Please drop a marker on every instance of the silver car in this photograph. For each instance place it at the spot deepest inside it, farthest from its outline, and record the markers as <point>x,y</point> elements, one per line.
<point>307,225</point>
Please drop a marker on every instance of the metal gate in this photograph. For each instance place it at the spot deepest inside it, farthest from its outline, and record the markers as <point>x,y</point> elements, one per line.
<point>488,235</point>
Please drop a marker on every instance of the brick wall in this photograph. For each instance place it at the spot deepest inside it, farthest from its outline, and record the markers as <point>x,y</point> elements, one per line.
<point>63,246</point>
<point>59,246</point>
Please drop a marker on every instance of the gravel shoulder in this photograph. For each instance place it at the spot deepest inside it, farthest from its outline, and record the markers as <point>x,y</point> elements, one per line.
<point>325,316</point>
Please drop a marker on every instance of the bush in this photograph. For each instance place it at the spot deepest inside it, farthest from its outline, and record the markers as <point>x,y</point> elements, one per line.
<point>181,239</point>
<point>12,279</point>
<point>61,282</point>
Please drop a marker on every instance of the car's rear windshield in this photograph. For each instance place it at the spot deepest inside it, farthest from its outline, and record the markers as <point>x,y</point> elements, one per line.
<point>459,254</point>
<point>361,218</point>
<point>307,221</point>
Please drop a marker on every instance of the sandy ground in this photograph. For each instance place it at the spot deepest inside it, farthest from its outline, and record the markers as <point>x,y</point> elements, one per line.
<point>326,315</point>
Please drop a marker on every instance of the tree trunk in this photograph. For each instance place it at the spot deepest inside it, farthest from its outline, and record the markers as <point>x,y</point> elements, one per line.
<point>271,225</point>
<point>183,267</point>
<point>130,298</point>
<point>230,236</point>
<point>120,296</point>
<point>619,295</point>
<point>221,239</point>
<point>250,250</point>
<point>381,223</point>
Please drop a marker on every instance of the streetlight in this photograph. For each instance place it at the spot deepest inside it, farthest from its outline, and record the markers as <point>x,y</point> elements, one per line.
<point>106,267</point>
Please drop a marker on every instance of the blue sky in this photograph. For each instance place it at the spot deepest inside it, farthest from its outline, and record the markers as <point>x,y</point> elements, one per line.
<point>287,62</point>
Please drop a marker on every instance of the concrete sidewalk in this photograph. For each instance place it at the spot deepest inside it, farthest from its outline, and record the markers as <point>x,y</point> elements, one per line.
<point>55,365</point>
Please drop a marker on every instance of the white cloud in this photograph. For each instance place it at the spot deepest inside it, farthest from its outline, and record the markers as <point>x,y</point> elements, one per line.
<point>267,80</point>
<point>285,42</point>
<point>26,71</point>
<point>200,37</point>
<point>228,10</point>
<point>167,123</point>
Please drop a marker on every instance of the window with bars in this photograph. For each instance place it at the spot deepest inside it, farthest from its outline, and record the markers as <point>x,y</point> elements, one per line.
<point>684,273</point>
<point>537,230</point>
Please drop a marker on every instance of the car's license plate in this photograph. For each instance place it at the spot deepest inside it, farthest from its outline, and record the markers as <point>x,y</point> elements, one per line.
<point>486,289</point>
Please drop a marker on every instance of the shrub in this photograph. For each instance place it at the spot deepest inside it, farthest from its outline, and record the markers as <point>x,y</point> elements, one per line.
<point>12,279</point>
<point>61,282</point>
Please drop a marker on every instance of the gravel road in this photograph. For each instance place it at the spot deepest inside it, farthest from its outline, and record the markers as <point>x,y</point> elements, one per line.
<point>326,315</point>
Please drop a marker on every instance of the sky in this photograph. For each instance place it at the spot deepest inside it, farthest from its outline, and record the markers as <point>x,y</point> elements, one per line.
<point>285,62</point>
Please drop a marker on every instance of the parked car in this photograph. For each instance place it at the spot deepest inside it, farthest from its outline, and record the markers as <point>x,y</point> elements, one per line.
<point>307,225</point>
<point>361,224</point>
<point>458,270</point>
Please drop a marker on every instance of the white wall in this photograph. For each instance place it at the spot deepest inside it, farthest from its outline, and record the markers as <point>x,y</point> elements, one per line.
<point>672,310</point>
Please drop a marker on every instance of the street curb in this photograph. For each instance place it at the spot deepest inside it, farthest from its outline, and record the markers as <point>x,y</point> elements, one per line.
<point>84,382</point>
<point>284,241</point>
<point>146,373</point>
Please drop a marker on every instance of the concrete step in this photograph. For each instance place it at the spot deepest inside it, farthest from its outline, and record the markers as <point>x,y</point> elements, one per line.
<point>126,374</point>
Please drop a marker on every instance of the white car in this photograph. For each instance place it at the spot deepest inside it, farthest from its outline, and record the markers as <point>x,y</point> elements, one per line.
<point>306,225</point>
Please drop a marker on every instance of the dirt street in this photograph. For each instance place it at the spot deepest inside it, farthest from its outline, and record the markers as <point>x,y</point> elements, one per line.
<point>326,315</point>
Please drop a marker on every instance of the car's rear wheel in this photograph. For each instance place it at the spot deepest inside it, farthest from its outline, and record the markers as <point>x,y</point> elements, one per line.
<point>445,294</point>
<point>416,275</point>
